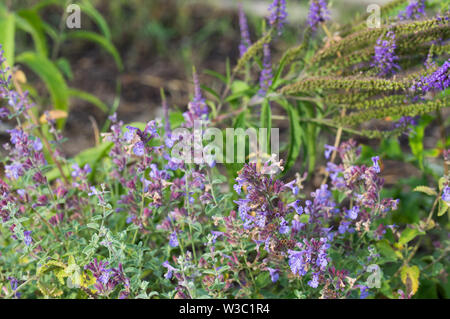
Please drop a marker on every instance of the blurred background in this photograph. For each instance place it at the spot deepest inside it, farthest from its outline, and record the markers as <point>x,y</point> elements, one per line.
<point>158,41</point>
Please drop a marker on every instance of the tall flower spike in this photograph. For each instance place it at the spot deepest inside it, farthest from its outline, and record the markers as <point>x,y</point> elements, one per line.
<point>438,81</point>
<point>245,34</point>
<point>278,14</point>
<point>384,58</point>
<point>265,79</point>
<point>318,13</point>
<point>414,10</point>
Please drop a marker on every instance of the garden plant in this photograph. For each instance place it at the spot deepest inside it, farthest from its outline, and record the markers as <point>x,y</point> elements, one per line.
<point>160,209</point>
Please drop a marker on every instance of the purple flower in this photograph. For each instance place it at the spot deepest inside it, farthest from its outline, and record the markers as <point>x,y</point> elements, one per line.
<point>173,239</point>
<point>27,236</point>
<point>216,234</point>
<point>197,108</point>
<point>385,58</point>
<point>245,34</point>
<point>318,13</point>
<point>14,171</point>
<point>353,213</point>
<point>314,282</point>
<point>170,270</point>
<point>376,164</point>
<point>414,10</point>
<point>296,262</point>
<point>364,291</point>
<point>278,14</point>
<point>292,185</point>
<point>296,206</point>
<point>274,275</point>
<point>438,81</point>
<point>265,79</point>
<point>446,195</point>
<point>328,150</point>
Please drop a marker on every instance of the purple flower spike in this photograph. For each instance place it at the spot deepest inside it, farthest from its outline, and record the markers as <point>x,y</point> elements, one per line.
<point>245,34</point>
<point>278,14</point>
<point>173,240</point>
<point>318,13</point>
<point>376,163</point>
<point>265,79</point>
<point>28,239</point>
<point>384,58</point>
<point>274,275</point>
<point>414,10</point>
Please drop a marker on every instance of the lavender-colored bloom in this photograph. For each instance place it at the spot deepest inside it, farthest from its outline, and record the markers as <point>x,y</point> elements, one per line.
<point>296,206</point>
<point>274,275</point>
<point>284,228</point>
<point>414,10</point>
<point>344,227</point>
<point>328,150</point>
<point>296,262</point>
<point>278,14</point>
<point>293,186</point>
<point>364,292</point>
<point>376,163</point>
<point>265,79</point>
<point>245,34</point>
<point>353,213</point>
<point>139,148</point>
<point>14,171</point>
<point>197,107</point>
<point>438,81</point>
<point>385,58</point>
<point>27,236</point>
<point>446,194</point>
<point>216,234</point>
<point>318,13</point>
<point>406,121</point>
<point>173,240</point>
<point>170,270</point>
<point>314,282</point>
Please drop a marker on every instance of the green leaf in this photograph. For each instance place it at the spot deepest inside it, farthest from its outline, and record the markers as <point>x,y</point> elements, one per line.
<point>410,277</point>
<point>386,250</point>
<point>100,40</point>
<point>416,140</point>
<point>51,76</point>
<point>294,136</point>
<point>443,207</point>
<point>266,120</point>
<point>64,65</point>
<point>409,234</point>
<point>89,98</point>
<point>90,10</point>
<point>425,189</point>
<point>30,22</point>
<point>7,32</point>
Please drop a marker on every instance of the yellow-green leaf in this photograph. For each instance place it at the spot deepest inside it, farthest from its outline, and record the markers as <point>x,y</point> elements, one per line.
<point>410,277</point>
<point>425,189</point>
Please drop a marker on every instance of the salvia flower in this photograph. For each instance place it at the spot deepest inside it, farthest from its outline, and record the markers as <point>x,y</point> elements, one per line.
<point>446,195</point>
<point>173,239</point>
<point>414,10</point>
<point>278,14</point>
<point>318,13</point>
<point>265,79</point>
<point>245,34</point>
<point>385,58</point>
<point>437,81</point>
<point>27,237</point>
